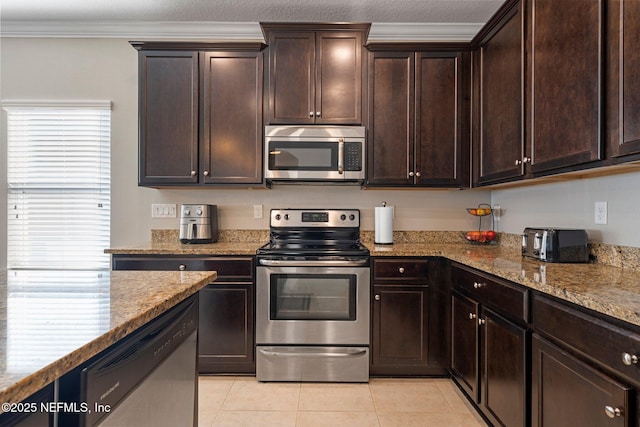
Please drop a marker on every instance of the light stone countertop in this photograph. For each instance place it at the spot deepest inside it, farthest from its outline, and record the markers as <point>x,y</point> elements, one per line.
<point>606,289</point>
<point>53,321</point>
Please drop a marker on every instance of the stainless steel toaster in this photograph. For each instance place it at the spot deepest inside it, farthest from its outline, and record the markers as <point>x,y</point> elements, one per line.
<point>555,244</point>
<point>198,224</point>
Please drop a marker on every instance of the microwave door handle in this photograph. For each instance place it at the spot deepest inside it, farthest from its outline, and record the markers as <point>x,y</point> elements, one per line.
<point>341,156</point>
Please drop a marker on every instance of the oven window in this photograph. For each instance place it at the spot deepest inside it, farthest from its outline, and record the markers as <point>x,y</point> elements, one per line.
<point>313,297</point>
<point>308,156</point>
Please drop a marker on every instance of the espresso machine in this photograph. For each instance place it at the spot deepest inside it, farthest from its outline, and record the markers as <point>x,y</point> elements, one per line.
<point>198,224</point>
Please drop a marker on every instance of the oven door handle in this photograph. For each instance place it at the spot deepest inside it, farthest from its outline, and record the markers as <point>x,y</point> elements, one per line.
<point>341,156</point>
<point>314,263</point>
<point>348,353</point>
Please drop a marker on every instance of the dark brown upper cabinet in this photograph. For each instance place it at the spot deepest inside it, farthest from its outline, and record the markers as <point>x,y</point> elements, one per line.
<point>498,100</point>
<point>168,117</point>
<point>564,87</point>
<point>623,75</point>
<point>416,116</point>
<point>232,127</point>
<point>315,73</point>
<point>200,113</point>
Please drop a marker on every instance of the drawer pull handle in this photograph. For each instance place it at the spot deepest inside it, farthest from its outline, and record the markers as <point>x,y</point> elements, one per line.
<point>612,412</point>
<point>401,270</point>
<point>377,297</point>
<point>629,359</point>
<point>472,316</point>
<point>182,267</point>
<point>478,285</point>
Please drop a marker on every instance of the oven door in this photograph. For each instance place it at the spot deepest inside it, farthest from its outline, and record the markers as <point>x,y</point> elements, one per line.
<point>307,305</point>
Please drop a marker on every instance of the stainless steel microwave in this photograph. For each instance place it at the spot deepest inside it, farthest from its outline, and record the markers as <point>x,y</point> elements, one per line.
<point>308,154</point>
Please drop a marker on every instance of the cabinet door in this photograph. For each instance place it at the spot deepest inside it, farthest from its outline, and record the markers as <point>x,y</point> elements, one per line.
<point>226,338</point>
<point>566,391</point>
<point>400,343</point>
<point>623,75</point>
<point>465,344</point>
<point>439,119</point>
<point>565,57</point>
<point>503,360</point>
<point>338,95</point>
<point>391,112</point>
<point>232,118</point>
<point>292,77</point>
<point>168,98</point>
<point>499,109</point>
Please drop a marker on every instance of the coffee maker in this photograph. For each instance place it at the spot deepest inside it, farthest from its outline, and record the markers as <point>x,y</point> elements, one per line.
<point>198,224</point>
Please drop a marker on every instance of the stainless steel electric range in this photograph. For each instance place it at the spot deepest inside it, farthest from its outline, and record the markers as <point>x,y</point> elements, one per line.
<point>312,298</point>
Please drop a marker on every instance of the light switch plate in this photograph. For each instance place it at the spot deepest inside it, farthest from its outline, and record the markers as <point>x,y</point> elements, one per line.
<point>257,211</point>
<point>159,210</point>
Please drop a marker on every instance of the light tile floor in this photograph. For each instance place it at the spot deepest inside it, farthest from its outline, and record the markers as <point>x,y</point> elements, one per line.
<point>243,401</point>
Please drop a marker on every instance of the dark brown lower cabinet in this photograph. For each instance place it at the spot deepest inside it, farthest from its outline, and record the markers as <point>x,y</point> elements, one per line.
<point>226,337</point>
<point>226,343</point>
<point>408,319</point>
<point>489,360</point>
<point>568,392</point>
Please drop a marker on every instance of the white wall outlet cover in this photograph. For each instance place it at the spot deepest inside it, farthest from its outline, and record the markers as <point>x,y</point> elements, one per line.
<point>600,213</point>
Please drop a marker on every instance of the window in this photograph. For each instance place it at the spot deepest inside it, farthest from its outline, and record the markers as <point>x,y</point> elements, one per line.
<point>58,175</point>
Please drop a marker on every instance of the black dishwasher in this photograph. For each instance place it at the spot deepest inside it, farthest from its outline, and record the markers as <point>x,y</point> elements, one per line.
<point>150,379</point>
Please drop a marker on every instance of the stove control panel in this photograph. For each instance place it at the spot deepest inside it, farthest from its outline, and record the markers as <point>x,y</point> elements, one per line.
<point>321,218</point>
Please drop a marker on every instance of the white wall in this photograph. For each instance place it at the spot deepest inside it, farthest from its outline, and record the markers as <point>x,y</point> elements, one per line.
<point>32,68</point>
<point>571,204</point>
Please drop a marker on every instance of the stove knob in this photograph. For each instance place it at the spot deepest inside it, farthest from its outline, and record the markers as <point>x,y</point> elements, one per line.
<point>278,217</point>
<point>187,212</point>
<point>199,212</point>
<point>352,217</point>
<point>343,217</point>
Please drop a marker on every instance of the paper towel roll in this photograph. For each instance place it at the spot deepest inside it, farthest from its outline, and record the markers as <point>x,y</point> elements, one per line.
<point>384,225</point>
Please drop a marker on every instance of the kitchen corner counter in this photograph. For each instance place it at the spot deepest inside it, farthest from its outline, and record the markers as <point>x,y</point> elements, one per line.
<point>608,290</point>
<point>53,321</point>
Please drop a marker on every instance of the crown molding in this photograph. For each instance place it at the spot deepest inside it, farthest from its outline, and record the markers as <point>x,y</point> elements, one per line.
<point>210,31</point>
<point>423,32</point>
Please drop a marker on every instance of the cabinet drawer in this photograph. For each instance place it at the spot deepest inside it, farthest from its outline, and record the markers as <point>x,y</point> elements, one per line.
<point>400,269</point>
<point>595,338</point>
<point>228,268</point>
<point>503,297</point>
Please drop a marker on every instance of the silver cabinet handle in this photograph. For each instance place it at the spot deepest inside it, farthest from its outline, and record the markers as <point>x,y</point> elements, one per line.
<point>478,285</point>
<point>206,173</point>
<point>411,173</point>
<point>629,359</point>
<point>182,267</point>
<point>472,316</point>
<point>317,113</point>
<point>401,270</point>
<point>518,162</point>
<point>481,322</point>
<point>310,113</point>
<point>612,412</point>
<point>526,160</point>
<point>377,297</point>
<point>418,174</point>
<point>193,173</point>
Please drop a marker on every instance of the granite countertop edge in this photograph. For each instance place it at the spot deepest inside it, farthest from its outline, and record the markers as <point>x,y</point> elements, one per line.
<point>14,391</point>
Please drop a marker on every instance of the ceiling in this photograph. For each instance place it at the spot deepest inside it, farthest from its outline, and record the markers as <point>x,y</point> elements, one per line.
<point>392,20</point>
<point>416,11</point>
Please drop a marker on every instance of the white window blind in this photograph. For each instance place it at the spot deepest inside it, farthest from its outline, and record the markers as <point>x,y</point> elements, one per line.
<point>59,184</point>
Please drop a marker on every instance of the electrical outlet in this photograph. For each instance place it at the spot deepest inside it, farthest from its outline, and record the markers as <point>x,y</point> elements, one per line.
<point>497,213</point>
<point>159,210</point>
<point>600,213</point>
<point>257,211</point>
